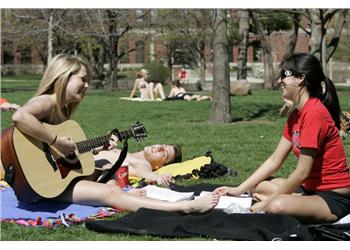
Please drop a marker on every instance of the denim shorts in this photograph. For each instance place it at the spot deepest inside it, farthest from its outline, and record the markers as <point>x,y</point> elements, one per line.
<point>339,204</point>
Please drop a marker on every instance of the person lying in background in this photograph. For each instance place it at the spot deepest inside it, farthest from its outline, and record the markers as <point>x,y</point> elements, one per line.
<point>178,92</point>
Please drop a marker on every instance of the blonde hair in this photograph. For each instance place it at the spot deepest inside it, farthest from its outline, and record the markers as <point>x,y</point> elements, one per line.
<point>141,73</point>
<point>55,81</point>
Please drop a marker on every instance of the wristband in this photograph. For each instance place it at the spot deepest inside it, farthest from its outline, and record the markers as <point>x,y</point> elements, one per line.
<point>54,140</point>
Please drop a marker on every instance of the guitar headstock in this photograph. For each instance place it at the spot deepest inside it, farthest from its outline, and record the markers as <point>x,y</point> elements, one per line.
<point>137,131</point>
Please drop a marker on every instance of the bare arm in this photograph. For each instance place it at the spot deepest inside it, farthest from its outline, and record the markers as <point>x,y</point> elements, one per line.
<point>134,89</point>
<point>150,90</point>
<point>172,92</point>
<point>269,166</point>
<point>295,179</point>
<point>28,120</point>
<point>142,171</point>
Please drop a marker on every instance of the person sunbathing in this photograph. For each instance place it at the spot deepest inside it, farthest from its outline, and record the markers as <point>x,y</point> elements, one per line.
<point>148,90</point>
<point>178,92</point>
<point>143,163</point>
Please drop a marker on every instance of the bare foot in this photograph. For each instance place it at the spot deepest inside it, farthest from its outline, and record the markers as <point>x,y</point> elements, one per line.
<point>137,191</point>
<point>259,197</point>
<point>202,204</point>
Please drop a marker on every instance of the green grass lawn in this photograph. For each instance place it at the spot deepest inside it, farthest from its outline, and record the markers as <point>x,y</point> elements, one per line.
<point>242,144</point>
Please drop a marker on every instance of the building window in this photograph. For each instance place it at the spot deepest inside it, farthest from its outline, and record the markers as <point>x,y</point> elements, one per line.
<point>125,57</point>
<point>7,57</point>
<point>230,53</point>
<point>26,56</point>
<point>140,52</point>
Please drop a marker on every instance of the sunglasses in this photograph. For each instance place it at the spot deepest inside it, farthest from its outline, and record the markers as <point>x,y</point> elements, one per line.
<point>285,73</point>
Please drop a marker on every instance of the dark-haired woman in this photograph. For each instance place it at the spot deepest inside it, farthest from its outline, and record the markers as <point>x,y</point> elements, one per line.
<point>318,189</point>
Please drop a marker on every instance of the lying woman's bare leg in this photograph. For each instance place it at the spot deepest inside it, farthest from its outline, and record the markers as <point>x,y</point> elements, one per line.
<point>98,194</point>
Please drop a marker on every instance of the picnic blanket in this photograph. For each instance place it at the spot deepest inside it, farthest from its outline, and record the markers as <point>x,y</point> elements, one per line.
<point>139,99</point>
<point>217,224</point>
<point>214,224</point>
<point>47,213</point>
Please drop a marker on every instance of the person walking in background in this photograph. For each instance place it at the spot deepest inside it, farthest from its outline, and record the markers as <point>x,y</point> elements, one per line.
<point>183,75</point>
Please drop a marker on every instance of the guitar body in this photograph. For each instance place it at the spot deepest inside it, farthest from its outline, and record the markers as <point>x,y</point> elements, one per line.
<point>35,170</point>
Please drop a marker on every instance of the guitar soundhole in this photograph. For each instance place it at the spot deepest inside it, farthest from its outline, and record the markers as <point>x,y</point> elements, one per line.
<point>66,165</point>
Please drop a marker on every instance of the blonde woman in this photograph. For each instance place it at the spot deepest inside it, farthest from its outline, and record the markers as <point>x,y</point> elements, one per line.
<point>148,90</point>
<point>61,90</point>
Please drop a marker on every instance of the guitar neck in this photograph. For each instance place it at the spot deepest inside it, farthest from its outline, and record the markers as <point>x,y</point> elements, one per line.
<point>88,145</point>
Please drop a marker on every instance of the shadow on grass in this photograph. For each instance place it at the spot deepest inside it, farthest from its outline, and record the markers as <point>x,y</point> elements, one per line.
<point>251,112</point>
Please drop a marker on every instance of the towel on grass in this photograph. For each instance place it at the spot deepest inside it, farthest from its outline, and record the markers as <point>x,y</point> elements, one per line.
<point>139,99</point>
<point>47,213</point>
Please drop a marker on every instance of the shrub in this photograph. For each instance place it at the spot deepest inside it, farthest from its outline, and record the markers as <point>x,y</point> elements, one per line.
<point>159,73</point>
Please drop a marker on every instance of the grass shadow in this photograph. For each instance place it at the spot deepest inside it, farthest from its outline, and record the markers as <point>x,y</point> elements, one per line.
<point>252,112</point>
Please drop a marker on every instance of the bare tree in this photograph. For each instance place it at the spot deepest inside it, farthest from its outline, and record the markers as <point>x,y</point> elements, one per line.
<point>32,27</point>
<point>243,16</point>
<point>170,26</point>
<point>324,29</point>
<point>293,37</point>
<point>198,31</point>
<point>221,105</point>
<point>319,19</point>
<point>269,73</point>
<point>107,27</point>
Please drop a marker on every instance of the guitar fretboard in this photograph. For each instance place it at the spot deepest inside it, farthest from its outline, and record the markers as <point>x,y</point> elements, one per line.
<point>88,145</point>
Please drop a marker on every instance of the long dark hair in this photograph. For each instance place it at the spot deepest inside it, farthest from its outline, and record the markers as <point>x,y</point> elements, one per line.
<point>310,67</point>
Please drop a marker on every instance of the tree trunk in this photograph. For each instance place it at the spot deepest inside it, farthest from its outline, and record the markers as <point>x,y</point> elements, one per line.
<point>293,38</point>
<point>242,48</point>
<point>318,46</point>
<point>269,74</point>
<point>221,105</point>
<point>112,54</point>
<point>202,65</point>
<point>333,44</point>
<point>316,38</point>
<point>50,38</point>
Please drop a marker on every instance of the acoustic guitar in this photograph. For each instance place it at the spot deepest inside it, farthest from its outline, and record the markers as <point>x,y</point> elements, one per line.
<point>36,170</point>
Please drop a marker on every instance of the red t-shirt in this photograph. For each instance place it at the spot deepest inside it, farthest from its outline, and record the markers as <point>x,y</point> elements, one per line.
<point>182,74</point>
<point>3,100</point>
<point>314,127</point>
